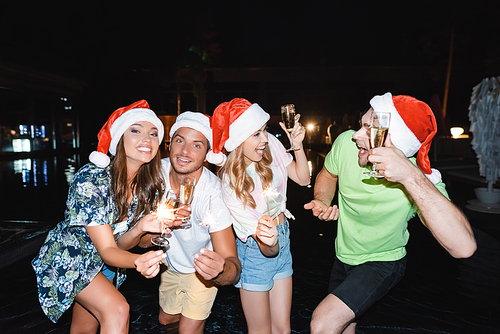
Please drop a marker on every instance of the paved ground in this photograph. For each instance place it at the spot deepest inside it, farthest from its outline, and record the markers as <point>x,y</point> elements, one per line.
<point>437,295</point>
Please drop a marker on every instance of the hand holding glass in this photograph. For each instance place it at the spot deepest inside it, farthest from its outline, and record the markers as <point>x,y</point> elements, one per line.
<point>288,117</point>
<point>166,213</point>
<point>186,195</point>
<point>379,127</point>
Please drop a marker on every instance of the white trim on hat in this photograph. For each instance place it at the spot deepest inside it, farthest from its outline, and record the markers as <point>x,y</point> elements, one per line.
<point>247,123</point>
<point>122,123</point>
<point>401,136</point>
<point>193,120</point>
<point>218,159</point>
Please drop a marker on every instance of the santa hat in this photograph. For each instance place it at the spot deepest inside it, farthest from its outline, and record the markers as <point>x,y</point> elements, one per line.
<point>412,128</point>
<point>193,120</point>
<point>119,121</point>
<point>232,123</point>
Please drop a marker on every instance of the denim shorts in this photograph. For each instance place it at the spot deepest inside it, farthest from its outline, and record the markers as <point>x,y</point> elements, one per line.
<point>359,287</point>
<point>259,272</point>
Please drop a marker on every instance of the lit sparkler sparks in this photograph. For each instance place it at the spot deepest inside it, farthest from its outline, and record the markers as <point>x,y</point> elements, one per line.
<point>165,212</point>
<point>209,220</point>
<point>269,193</point>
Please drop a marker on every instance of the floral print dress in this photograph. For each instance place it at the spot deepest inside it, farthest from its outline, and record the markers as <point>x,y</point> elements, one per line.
<point>68,260</point>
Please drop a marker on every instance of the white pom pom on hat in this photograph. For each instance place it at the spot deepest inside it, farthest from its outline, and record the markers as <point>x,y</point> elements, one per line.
<point>119,121</point>
<point>99,159</point>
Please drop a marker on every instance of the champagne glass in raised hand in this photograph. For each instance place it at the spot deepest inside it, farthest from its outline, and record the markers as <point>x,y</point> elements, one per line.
<point>379,127</point>
<point>186,195</point>
<point>288,117</point>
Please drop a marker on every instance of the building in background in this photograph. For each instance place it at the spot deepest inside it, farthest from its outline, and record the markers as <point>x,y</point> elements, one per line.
<point>38,112</point>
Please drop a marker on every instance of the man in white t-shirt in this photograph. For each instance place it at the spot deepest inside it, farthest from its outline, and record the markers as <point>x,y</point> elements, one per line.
<point>201,256</point>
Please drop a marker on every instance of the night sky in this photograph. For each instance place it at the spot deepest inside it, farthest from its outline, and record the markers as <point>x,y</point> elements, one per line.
<point>103,44</point>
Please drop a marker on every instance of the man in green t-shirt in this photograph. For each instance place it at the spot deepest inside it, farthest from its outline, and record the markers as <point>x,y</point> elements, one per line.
<point>373,212</point>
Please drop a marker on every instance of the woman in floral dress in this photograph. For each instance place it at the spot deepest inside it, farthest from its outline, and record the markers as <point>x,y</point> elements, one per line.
<point>108,206</point>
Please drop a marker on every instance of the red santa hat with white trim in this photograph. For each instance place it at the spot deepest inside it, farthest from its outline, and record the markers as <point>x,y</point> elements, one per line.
<point>232,123</point>
<point>412,128</point>
<point>119,121</point>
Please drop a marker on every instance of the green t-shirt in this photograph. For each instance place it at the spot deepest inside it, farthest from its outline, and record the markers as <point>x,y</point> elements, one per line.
<point>374,213</point>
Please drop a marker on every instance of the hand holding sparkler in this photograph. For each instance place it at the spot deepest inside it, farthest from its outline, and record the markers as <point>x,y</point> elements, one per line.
<point>165,214</point>
<point>267,232</point>
<point>208,263</point>
<point>148,263</point>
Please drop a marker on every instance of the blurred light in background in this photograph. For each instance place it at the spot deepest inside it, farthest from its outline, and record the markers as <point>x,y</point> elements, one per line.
<point>456,132</point>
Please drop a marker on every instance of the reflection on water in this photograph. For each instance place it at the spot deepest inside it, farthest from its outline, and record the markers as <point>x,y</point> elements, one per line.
<point>23,167</point>
<point>35,172</point>
<point>70,169</point>
<point>47,171</point>
<point>36,188</point>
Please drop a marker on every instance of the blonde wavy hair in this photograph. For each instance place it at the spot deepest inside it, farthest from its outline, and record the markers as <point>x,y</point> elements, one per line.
<point>240,181</point>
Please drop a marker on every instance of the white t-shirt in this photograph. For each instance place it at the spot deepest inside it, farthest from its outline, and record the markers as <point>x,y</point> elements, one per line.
<point>268,201</point>
<point>185,243</point>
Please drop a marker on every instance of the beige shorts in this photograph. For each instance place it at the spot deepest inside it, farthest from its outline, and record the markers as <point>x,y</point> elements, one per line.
<point>186,294</point>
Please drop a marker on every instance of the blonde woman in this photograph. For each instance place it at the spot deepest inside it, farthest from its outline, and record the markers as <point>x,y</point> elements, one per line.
<point>254,178</point>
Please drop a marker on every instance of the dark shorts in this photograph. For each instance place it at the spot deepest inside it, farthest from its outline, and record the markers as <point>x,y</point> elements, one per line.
<point>359,287</point>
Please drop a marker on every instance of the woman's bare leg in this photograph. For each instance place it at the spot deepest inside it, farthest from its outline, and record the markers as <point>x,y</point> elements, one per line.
<point>280,298</point>
<point>257,311</point>
<point>107,304</point>
<point>268,311</point>
<point>83,322</point>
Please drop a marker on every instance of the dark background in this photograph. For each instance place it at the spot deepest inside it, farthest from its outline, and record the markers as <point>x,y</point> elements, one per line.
<point>128,51</point>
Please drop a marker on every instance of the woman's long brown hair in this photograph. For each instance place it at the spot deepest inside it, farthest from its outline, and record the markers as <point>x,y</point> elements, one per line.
<point>148,184</point>
<point>240,181</point>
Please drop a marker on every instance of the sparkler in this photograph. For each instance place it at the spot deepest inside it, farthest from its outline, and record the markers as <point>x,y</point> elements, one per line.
<point>165,212</point>
<point>270,193</point>
<point>209,219</point>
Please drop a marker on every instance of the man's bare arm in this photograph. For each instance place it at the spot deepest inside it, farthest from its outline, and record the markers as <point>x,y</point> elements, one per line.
<point>324,191</point>
<point>446,222</point>
<point>221,265</point>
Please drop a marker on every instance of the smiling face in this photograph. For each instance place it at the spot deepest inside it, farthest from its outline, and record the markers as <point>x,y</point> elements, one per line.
<point>253,146</point>
<point>362,138</point>
<point>141,144</point>
<point>188,149</point>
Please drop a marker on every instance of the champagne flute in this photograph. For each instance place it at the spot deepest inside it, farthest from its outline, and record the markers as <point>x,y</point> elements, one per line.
<point>379,128</point>
<point>288,116</point>
<point>173,200</point>
<point>161,240</point>
<point>165,213</point>
<point>186,195</point>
